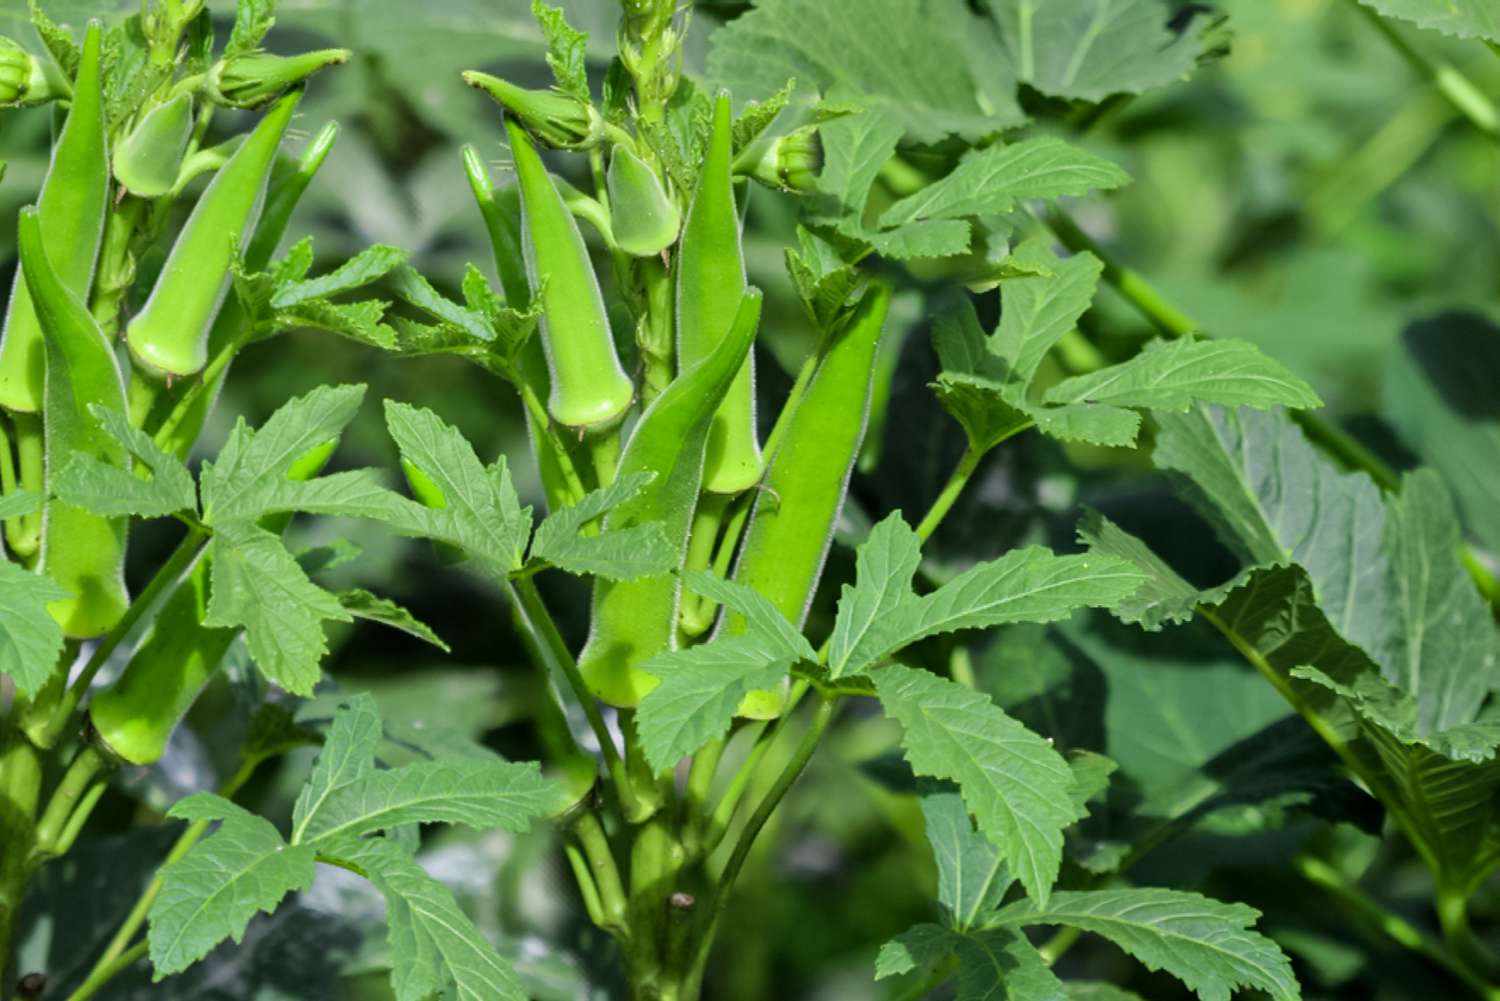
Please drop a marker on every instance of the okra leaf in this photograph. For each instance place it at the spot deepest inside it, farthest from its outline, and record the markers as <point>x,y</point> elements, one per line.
<point>434,947</point>
<point>369,265</point>
<point>699,690</point>
<point>617,554</point>
<point>272,732</point>
<point>763,620</point>
<point>1463,18</point>
<point>994,964</point>
<point>252,19</point>
<point>57,39</point>
<point>480,512</point>
<point>957,81</point>
<point>86,481</point>
<point>1041,306</point>
<point>1025,585</point>
<point>483,794</point>
<point>884,566</point>
<point>348,755</point>
<point>993,180</point>
<point>1018,788</point>
<point>824,276</point>
<point>1172,375</point>
<point>1209,945</point>
<point>364,605</point>
<point>361,321</point>
<point>258,585</point>
<point>31,640</point>
<point>19,502</point>
<point>413,288</point>
<point>1088,49</point>
<point>567,49</point>
<point>213,891</point>
<point>252,461</point>
<point>972,877</point>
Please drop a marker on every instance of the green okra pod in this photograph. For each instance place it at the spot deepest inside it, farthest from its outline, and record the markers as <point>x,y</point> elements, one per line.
<point>148,160</point>
<point>710,281</point>
<point>72,205</point>
<point>170,333</point>
<point>82,552</point>
<point>644,218</point>
<point>589,389</point>
<point>635,620</point>
<point>792,524</point>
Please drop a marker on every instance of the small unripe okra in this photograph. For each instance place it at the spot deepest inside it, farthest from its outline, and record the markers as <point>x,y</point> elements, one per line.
<point>557,119</point>
<point>148,160</point>
<point>71,210</point>
<point>710,282</point>
<point>644,217</point>
<point>589,388</point>
<point>170,334</point>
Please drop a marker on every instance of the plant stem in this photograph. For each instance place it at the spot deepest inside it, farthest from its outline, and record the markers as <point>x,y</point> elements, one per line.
<point>1456,88</point>
<point>605,873</point>
<point>950,492</point>
<point>1321,431</point>
<point>103,974</point>
<point>71,792</point>
<point>166,577</point>
<point>545,626</point>
<point>724,809</point>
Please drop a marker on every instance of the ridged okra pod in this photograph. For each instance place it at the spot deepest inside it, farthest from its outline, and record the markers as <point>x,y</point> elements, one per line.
<point>635,620</point>
<point>170,333</point>
<point>82,552</point>
<point>792,524</point>
<point>71,207</point>
<point>589,388</point>
<point>710,281</point>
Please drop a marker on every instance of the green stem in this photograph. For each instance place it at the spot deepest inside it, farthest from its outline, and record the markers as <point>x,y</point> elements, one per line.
<point>950,492</point>
<point>102,975</point>
<point>1453,916</point>
<point>1321,431</point>
<point>605,873</point>
<point>166,577</point>
<point>206,380</point>
<point>542,421</point>
<point>724,809</point>
<point>71,793</point>
<point>1458,89</point>
<point>541,620</point>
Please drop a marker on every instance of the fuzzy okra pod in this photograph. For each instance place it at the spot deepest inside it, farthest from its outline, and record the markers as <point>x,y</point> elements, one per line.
<point>135,716</point>
<point>635,620</point>
<point>710,281</point>
<point>589,388</point>
<point>83,553</point>
<point>71,208</point>
<point>644,219</point>
<point>170,333</point>
<point>148,160</point>
<point>792,525</point>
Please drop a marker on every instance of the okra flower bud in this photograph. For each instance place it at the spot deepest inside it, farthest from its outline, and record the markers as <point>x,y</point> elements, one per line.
<point>554,118</point>
<point>23,79</point>
<point>254,78</point>
<point>791,162</point>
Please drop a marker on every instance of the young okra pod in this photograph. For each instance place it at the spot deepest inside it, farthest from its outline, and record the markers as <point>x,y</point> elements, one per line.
<point>645,219</point>
<point>71,208</point>
<point>170,333</point>
<point>148,160</point>
<point>589,388</point>
<point>83,553</point>
<point>710,281</point>
<point>792,525</point>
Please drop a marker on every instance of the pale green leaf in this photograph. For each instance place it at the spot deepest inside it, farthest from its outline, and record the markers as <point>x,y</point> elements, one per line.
<point>1172,375</point>
<point>617,554</point>
<point>411,286</point>
<point>698,692</point>
<point>763,621</point>
<point>991,181</point>
<point>31,641</point>
<point>972,877</point>
<point>994,964</point>
<point>1037,310</point>
<point>1208,945</point>
<point>1090,49</point>
<point>483,794</point>
<point>348,755</point>
<point>105,489</point>
<point>567,49</point>
<point>213,891</point>
<point>1018,787</point>
<point>955,80</point>
<point>252,19</point>
<point>854,150</point>
<point>434,947</point>
<point>885,564</point>
<point>369,265</point>
<point>361,321</point>
<point>258,585</point>
<point>363,605</point>
<point>1463,18</point>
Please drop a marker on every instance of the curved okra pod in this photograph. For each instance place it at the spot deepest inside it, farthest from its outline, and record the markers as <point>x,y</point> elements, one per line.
<point>635,620</point>
<point>135,716</point>
<point>82,552</point>
<point>792,525</point>
<point>589,389</point>
<point>710,280</point>
<point>72,206</point>
<point>170,333</point>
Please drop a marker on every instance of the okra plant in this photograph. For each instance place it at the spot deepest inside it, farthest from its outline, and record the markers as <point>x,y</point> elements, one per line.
<point>706,272</point>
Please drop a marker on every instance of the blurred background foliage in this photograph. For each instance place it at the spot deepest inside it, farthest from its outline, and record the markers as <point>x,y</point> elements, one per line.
<point>1307,191</point>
